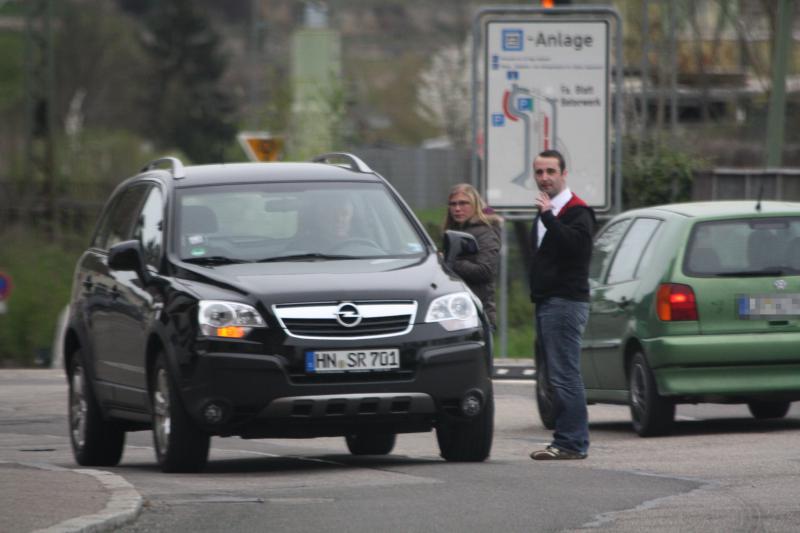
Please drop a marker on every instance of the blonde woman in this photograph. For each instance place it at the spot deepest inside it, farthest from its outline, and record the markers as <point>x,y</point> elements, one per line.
<point>467,212</point>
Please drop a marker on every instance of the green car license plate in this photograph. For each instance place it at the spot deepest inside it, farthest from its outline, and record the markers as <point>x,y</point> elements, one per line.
<point>768,305</point>
<point>352,360</point>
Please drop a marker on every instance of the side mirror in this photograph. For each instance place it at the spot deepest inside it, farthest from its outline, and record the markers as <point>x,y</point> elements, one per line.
<point>128,255</point>
<point>458,243</point>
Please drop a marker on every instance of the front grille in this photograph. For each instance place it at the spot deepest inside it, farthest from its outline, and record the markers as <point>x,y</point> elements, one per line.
<point>331,328</point>
<point>319,320</point>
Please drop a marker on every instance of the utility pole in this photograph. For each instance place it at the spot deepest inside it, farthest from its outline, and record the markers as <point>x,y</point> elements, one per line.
<point>256,65</point>
<point>40,112</point>
<point>776,118</point>
<point>644,76</point>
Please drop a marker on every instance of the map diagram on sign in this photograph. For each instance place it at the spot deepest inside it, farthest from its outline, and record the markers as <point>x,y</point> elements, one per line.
<point>539,116</point>
<point>546,88</point>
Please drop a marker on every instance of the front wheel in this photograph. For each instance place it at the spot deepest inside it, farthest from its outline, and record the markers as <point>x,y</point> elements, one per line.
<point>95,441</point>
<point>765,410</point>
<point>365,443</point>
<point>180,446</point>
<point>467,440</point>
<point>651,413</point>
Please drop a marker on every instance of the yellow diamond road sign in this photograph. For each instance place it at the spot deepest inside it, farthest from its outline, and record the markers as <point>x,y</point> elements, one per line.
<point>261,145</point>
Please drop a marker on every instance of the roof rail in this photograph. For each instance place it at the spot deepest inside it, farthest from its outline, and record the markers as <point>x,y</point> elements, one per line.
<point>353,162</point>
<point>177,169</point>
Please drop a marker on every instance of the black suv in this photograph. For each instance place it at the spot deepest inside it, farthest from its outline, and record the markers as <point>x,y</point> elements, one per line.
<point>271,300</point>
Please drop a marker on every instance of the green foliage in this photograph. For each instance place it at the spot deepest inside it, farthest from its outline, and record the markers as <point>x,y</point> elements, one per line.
<point>188,105</point>
<point>11,68</point>
<point>432,219</point>
<point>657,175</point>
<point>520,322</point>
<point>41,274</point>
<point>97,160</point>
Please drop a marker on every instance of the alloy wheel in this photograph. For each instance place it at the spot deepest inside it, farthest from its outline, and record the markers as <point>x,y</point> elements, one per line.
<point>162,410</point>
<point>638,392</point>
<point>77,407</point>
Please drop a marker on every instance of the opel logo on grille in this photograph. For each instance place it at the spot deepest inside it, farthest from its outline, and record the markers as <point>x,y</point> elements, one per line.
<point>348,315</point>
<point>780,284</point>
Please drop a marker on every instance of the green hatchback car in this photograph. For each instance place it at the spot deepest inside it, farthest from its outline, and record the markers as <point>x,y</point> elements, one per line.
<point>692,303</point>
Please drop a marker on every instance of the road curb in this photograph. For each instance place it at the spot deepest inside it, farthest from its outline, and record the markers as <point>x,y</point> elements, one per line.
<point>124,503</point>
<point>514,372</point>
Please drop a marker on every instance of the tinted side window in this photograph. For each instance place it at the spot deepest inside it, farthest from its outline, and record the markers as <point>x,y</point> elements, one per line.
<point>632,249</point>
<point>118,223</point>
<point>149,226</point>
<point>101,234</point>
<point>604,246</point>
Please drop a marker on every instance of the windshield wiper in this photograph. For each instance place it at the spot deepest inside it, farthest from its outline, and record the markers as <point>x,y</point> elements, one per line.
<point>213,260</point>
<point>751,273</point>
<point>304,257</point>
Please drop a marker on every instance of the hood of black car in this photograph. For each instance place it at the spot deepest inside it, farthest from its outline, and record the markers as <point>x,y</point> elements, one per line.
<point>336,280</point>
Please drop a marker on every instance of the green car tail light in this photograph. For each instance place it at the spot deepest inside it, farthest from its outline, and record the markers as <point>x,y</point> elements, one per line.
<point>675,302</point>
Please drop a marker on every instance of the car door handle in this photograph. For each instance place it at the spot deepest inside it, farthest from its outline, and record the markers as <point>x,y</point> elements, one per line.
<point>624,302</point>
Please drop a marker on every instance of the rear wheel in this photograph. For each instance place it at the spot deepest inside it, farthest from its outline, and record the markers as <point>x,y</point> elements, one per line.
<point>467,440</point>
<point>544,392</point>
<point>95,441</point>
<point>651,413</point>
<point>180,446</point>
<point>764,410</point>
<point>366,443</point>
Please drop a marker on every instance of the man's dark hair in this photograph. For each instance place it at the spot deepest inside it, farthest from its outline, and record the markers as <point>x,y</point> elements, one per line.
<point>562,165</point>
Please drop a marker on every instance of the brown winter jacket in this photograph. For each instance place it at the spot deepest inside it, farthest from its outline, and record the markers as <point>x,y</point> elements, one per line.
<point>479,270</point>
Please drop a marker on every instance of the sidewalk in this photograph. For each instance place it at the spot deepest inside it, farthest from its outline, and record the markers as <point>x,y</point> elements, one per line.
<point>45,498</point>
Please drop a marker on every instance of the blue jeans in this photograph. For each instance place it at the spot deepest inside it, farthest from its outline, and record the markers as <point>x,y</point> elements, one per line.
<point>559,327</point>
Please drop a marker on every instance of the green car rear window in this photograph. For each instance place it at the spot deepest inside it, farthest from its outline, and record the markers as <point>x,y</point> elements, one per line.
<point>744,247</point>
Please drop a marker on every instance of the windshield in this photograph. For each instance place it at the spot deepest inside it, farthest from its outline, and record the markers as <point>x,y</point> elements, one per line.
<point>744,247</point>
<point>307,221</point>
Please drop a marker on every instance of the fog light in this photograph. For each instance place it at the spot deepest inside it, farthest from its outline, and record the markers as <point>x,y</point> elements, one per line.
<point>472,403</point>
<point>213,413</point>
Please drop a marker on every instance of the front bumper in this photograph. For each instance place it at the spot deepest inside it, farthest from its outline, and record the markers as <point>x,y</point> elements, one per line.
<point>263,396</point>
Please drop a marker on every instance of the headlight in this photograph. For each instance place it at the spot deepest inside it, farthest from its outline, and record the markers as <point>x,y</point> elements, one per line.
<point>227,319</point>
<point>453,311</point>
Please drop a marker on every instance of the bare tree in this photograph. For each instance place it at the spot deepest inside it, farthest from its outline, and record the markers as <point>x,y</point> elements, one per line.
<point>444,92</point>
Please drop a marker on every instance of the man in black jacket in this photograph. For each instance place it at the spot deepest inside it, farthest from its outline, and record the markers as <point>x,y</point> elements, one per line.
<point>559,282</point>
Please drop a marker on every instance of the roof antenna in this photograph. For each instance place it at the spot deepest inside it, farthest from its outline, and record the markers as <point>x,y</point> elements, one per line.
<point>760,194</point>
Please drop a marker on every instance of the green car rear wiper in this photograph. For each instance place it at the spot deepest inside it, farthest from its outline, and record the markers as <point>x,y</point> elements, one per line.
<point>751,273</point>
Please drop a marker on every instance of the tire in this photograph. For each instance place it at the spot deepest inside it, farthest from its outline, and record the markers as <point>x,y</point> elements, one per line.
<point>467,440</point>
<point>365,443</point>
<point>180,446</point>
<point>95,441</point>
<point>652,414</point>
<point>544,392</point>
<point>764,410</point>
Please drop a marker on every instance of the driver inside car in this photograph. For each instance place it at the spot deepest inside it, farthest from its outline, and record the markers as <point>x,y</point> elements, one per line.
<point>329,225</point>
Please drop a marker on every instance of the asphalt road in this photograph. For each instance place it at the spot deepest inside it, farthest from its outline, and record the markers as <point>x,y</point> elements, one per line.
<point>720,471</point>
